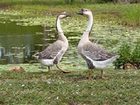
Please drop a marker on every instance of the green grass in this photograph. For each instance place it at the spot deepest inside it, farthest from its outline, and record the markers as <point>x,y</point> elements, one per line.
<point>53,2</point>
<point>54,88</point>
<point>27,2</point>
<point>131,15</point>
<point>128,14</point>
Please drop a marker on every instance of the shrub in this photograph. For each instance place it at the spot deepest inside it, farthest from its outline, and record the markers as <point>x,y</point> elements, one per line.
<point>136,56</point>
<point>129,54</point>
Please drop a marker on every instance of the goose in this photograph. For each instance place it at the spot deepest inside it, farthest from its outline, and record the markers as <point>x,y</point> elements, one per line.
<point>53,54</point>
<point>94,55</point>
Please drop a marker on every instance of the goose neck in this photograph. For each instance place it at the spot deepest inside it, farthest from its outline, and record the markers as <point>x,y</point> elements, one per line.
<point>85,36</point>
<point>58,25</point>
<point>61,35</point>
<point>89,23</point>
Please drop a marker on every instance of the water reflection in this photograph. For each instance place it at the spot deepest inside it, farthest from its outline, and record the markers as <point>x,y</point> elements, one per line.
<point>17,43</point>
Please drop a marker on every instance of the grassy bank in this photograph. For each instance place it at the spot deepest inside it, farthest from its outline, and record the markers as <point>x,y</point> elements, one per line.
<point>123,14</point>
<point>55,88</point>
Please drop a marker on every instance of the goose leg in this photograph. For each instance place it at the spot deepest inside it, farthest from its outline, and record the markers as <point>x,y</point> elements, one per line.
<point>42,66</point>
<point>61,69</point>
<point>102,73</point>
<point>90,74</point>
<point>49,68</point>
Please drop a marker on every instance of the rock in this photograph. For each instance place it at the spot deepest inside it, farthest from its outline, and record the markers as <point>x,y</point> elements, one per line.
<point>129,66</point>
<point>17,69</point>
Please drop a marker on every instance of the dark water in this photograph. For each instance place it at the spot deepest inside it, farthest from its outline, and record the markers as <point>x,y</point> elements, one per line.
<point>18,42</point>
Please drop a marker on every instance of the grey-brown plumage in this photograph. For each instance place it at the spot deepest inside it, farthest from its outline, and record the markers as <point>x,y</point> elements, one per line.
<point>51,51</point>
<point>94,55</point>
<point>95,52</point>
<point>54,52</point>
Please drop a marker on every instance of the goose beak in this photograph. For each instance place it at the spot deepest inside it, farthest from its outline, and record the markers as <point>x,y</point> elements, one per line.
<point>68,15</point>
<point>80,12</point>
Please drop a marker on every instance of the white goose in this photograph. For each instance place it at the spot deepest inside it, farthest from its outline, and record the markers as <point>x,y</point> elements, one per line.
<point>93,54</point>
<point>53,54</point>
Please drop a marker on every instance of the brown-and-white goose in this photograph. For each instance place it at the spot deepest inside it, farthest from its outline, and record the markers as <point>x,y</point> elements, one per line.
<point>92,53</point>
<point>53,54</point>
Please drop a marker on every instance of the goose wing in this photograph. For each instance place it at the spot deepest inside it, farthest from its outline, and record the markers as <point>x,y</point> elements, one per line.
<point>52,51</point>
<point>95,52</point>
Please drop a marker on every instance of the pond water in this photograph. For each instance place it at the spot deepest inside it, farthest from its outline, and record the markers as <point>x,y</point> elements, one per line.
<point>18,42</point>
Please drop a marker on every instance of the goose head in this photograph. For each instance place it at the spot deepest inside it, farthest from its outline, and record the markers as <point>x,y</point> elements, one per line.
<point>86,12</point>
<point>63,15</point>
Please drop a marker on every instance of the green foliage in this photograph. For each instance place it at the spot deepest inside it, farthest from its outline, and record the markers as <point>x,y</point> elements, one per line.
<point>69,1</point>
<point>126,14</point>
<point>125,52</point>
<point>102,1</point>
<point>136,55</point>
<point>125,55</point>
<point>53,1</point>
<point>129,54</point>
<point>131,16</point>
